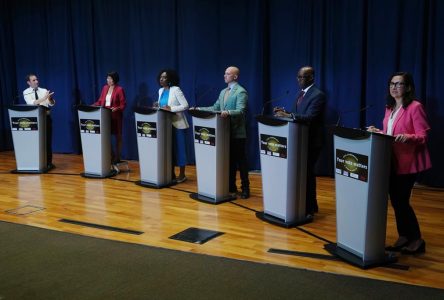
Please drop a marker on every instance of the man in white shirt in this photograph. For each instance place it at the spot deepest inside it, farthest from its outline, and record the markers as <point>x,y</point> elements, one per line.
<point>35,95</point>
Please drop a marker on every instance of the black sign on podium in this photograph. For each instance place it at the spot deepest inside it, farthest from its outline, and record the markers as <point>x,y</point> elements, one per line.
<point>154,130</point>
<point>95,134</point>
<point>362,170</point>
<point>283,155</point>
<point>28,127</point>
<point>211,135</point>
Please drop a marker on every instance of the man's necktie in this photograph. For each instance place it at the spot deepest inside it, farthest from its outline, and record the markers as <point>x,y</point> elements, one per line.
<point>300,97</point>
<point>227,93</point>
<point>36,95</point>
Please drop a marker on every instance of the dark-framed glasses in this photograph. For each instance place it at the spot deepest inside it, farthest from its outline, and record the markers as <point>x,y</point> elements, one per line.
<point>396,85</point>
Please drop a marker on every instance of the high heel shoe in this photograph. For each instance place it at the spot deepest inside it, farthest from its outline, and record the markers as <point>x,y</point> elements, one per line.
<point>415,247</point>
<point>398,245</point>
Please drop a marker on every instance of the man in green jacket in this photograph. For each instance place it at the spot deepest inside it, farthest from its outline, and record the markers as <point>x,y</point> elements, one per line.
<point>232,103</point>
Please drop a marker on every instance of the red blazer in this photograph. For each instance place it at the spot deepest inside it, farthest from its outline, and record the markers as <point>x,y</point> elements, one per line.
<point>117,101</point>
<point>413,155</point>
<point>117,98</point>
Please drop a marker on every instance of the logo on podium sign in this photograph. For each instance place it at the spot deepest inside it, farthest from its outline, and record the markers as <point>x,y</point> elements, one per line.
<point>24,123</point>
<point>146,129</point>
<point>205,135</point>
<point>352,165</point>
<point>273,145</point>
<point>90,126</point>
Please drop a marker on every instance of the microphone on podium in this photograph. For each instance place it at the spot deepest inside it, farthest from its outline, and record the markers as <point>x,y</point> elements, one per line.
<point>351,111</point>
<point>273,100</point>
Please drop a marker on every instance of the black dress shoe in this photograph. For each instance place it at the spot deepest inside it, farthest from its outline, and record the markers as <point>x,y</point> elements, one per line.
<point>415,247</point>
<point>398,245</point>
<point>245,194</point>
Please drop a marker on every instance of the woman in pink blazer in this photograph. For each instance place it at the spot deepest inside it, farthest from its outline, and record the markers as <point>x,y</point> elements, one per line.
<point>406,120</point>
<point>113,97</point>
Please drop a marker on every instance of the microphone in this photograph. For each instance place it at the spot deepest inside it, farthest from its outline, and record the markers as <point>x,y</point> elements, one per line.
<point>202,95</point>
<point>273,100</point>
<point>352,110</point>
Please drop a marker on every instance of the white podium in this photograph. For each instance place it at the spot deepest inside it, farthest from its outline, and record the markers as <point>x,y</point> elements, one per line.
<point>362,171</point>
<point>283,155</point>
<point>28,128</point>
<point>154,144</point>
<point>95,134</point>
<point>212,149</point>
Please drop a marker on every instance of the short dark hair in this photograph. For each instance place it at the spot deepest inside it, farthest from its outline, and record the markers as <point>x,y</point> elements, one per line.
<point>28,77</point>
<point>172,77</point>
<point>409,85</point>
<point>114,75</point>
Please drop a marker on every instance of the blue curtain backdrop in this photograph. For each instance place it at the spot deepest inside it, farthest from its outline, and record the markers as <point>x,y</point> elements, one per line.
<point>353,45</point>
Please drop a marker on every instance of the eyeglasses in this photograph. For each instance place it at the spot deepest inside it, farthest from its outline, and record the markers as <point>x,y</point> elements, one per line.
<point>396,85</point>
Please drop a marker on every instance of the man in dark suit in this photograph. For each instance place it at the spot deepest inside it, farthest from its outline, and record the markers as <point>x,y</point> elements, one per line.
<point>309,106</point>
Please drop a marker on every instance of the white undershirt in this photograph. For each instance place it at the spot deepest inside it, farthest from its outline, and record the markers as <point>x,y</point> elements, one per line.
<point>391,120</point>
<point>108,100</point>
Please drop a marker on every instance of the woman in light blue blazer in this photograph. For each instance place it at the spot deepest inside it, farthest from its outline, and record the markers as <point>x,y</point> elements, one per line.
<point>172,98</point>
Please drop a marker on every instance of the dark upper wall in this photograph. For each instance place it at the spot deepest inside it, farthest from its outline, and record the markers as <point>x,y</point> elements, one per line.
<point>353,45</point>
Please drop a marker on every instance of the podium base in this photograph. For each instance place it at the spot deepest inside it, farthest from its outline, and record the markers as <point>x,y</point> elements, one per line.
<point>202,198</point>
<point>357,261</point>
<point>279,222</point>
<point>89,175</point>
<point>153,185</point>
<point>45,170</point>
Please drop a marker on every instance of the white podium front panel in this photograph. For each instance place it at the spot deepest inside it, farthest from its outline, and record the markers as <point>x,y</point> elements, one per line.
<point>361,174</point>
<point>212,146</point>
<point>28,128</point>
<point>95,134</point>
<point>154,146</point>
<point>283,159</point>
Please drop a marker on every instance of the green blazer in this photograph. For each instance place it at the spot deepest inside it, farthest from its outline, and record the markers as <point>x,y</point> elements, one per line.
<point>236,105</point>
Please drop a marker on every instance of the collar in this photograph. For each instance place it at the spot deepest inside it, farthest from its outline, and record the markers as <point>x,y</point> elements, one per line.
<point>232,84</point>
<point>307,88</point>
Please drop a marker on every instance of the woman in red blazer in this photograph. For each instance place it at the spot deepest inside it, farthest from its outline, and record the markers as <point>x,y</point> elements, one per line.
<point>406,120</point>
<point>113,97</point>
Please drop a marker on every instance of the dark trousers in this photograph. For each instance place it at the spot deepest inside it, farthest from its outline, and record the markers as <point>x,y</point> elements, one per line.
<point>400,191</point>
<point>48,139</point>
<point>238,160</point>
<point>311,205</point>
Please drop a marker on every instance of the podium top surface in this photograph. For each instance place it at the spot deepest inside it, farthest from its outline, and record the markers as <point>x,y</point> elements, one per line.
<point>204,114</point>
<point>356,133</point>
<point>144,110</point>
<point>89,108</point>
<point>26,107</point>
<point>277,121</point>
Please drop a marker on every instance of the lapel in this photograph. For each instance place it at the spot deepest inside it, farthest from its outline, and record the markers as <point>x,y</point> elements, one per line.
<point>305,100</point>
<point>170,97</point>
<point>398,117</point>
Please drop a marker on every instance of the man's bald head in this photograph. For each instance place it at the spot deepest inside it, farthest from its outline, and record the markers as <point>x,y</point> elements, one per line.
<point>231,74</point>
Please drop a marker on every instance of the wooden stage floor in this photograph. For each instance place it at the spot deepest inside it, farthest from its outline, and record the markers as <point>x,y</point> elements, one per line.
<point>43,200</point>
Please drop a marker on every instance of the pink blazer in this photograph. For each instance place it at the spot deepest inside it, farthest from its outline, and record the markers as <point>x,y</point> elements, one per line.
<point>413,155</point>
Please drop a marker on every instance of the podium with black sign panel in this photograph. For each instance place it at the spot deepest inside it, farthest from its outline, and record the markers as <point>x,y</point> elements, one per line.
<point>362,171</point>
<point>28,127</point>
<point>283,156</point>
<point>95,135</point>
<point>212,149</point>
<point>154,130</point>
